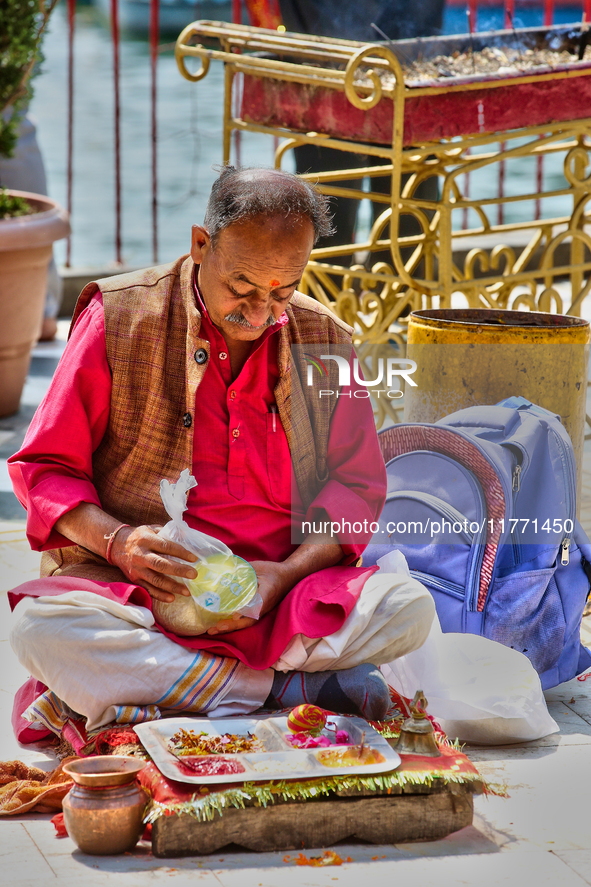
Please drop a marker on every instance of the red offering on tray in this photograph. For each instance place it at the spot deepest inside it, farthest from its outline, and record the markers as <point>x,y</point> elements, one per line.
<point>215,765</point>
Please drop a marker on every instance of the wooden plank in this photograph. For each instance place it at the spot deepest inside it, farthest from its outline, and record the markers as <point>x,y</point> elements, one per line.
<point>295,826</point>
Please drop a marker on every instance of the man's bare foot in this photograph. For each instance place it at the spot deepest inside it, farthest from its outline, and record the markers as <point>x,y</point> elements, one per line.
<point>48,329</point>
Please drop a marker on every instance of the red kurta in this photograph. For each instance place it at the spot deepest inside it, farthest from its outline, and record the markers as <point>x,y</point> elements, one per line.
<point>242,464</point>
<point>241,459</point>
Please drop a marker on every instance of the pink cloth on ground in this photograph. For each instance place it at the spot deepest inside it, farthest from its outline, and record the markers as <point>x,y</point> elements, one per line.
<point>23,698</point>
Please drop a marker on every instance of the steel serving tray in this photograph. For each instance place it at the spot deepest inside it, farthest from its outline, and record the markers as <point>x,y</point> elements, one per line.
<point>279,760</point>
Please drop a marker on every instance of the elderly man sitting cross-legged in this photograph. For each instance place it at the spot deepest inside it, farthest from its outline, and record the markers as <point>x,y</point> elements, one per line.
<point>189,365</point>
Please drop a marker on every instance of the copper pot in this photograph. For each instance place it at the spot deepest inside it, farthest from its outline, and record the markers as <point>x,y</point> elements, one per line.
<point>104,810</point>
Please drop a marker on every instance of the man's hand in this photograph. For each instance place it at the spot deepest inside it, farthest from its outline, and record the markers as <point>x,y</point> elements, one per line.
<point>277,579</point>
<point>141,555</point>
<point>147,559</point>
<point>274,581</point>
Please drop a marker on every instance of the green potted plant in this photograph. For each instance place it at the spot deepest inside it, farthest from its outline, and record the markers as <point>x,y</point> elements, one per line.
<point>29,223</point>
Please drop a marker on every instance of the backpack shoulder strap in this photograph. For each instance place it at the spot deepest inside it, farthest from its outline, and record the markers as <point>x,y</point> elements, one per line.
<point>407,438</point>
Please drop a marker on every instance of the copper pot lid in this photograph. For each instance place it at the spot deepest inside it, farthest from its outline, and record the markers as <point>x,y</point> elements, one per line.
<point>104,770</point>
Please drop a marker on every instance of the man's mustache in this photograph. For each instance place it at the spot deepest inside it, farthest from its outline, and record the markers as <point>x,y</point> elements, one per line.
<point>240,319</point>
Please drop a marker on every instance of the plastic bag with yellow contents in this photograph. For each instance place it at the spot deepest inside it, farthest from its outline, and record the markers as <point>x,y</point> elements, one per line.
<point>225,583</point>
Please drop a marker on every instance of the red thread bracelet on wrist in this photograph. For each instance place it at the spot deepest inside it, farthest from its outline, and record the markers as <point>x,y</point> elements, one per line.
<point>110,537</point>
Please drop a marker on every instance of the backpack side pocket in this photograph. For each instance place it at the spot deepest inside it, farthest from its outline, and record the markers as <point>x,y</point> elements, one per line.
<point>525,612</point>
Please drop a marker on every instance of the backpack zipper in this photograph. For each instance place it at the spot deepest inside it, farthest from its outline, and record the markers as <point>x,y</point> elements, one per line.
<point>474,579</point>
<point>571,493</point>
<point>451,588</point>
<point>565,551</point>
<point>516,483</point>
<point>477,541</point>
<point>521,464</point>
<point>447,511</point>
<point>515,488</point>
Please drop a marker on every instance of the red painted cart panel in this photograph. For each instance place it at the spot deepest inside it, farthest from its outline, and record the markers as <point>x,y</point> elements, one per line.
<point>457,111</point>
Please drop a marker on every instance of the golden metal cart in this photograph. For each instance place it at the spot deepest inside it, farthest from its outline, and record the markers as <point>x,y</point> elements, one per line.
<point>354,98</point>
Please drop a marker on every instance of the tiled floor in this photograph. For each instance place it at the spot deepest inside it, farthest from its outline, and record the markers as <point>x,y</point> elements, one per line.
<point>539,835</point>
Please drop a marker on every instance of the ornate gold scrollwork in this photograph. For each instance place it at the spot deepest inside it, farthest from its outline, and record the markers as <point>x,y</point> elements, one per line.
<point>351,276</point>
<point>479,256</point>
<point>368,355</point>
<point>347,307</point>
<point>547,260</point>
<point>577,157</point>
<point>489,262</point>
<point>578,297</point>
<point>578,217</point>
<point>369,301</point>
<point>282,149</point>
<point>524,300</point>
<point>184,50</point>
<point>509,288</point>
<point>355,78</point>
<point>548,296</point>
<point>500,252</point>
<point>374,302</point>
<point>497,294</point>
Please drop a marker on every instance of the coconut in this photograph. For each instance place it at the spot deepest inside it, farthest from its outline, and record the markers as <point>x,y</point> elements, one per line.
<point>224,584</point>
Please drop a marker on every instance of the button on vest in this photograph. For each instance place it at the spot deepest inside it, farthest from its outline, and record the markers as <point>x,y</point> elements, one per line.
<point>201,355</point>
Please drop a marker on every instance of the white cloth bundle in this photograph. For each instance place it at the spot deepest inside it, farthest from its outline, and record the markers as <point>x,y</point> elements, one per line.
<point>479,691</point>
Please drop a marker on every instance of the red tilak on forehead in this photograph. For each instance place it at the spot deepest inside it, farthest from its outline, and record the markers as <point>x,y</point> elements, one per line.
<point>274,282</point>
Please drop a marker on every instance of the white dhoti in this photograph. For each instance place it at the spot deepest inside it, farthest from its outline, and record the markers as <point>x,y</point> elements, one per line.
<point>108,662</point>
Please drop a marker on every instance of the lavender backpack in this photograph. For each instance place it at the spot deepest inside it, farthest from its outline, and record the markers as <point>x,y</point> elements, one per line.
<point>482,504</point>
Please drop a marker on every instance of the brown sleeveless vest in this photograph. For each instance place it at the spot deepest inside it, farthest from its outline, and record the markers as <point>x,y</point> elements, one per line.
<point>152,339</point>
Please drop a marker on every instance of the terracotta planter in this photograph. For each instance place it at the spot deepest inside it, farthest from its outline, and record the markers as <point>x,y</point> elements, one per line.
<point>25,252</point>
